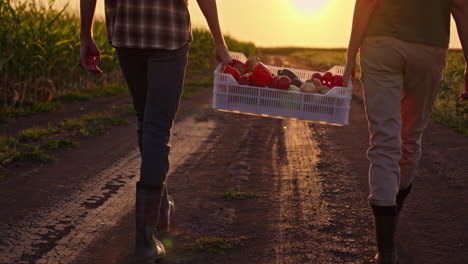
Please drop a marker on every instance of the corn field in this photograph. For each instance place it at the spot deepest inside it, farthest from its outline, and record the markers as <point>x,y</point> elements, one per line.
<point>448,110</point>
<point>39,53</point>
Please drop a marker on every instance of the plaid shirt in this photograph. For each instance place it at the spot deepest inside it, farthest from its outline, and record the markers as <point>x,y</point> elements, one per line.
<point>148,24</point>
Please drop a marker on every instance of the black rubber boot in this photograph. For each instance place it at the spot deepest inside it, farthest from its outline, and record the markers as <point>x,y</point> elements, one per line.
<point>148,203</point>
<point>401,196</point>
<point>163,223</point>
<point>385,227</point>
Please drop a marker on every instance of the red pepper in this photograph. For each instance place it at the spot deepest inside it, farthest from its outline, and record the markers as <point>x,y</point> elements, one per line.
<point>328,77</point>
<point>274,82</point>
<point>317,75</point>
<point>261,76</point>
<point>284,82</point>
<point>238,65</point>
<point>338,81</point>
<point>280,82</point>
<point>244,79</point>
<point>230,70</point>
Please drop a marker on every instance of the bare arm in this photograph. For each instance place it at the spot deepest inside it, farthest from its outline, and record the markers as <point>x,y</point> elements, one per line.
<point>460,14</point>
<point>89,52</point>
<point>363,10</point>
<point>210,11</point>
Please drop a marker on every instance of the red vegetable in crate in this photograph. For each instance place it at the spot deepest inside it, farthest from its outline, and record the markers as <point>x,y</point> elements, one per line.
<point>245,79</point>
<point>261,76</point>
<point>284,82</point>
<point>338,81</point>
<point>274,82</point>
<point>280,82</point>
<point>317,75</point>
<point>230,70</point>
<point>250,64</point>
<point>328,77</point>
<point>238,65</point>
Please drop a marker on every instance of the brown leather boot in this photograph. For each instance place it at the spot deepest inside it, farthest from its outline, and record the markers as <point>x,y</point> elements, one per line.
<point>385,227</point>
<point>148,202</point>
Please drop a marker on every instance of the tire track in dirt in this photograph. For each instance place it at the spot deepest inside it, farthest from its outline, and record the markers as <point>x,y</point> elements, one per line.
<point>301,206</point>
<point>323,216</point>
<point>59,234</point>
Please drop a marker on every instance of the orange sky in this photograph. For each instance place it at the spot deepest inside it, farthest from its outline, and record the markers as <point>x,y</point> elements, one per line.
<point>270,23</point>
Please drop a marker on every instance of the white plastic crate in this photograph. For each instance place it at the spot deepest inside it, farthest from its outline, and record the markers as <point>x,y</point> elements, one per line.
<point>331,108</point>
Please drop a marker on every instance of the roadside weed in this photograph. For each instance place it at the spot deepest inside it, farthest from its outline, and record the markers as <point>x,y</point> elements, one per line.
<point>37,133</point>
<point>238,195</point>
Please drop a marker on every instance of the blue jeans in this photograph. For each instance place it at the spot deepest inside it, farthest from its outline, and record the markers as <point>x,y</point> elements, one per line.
<point>155,78</point>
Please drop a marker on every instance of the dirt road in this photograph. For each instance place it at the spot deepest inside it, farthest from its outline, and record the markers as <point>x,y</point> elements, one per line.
<point>307,183</point>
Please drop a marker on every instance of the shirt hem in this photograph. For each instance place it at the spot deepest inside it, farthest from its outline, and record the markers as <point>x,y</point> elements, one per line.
<point>120,45</point>
<point>445,46</point>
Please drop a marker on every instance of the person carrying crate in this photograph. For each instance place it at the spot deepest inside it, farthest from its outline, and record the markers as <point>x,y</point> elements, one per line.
<point>403,52</point>
<point>152,40</point>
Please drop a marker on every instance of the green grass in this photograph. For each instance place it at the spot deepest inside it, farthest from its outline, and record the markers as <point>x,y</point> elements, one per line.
<point>34,155</point>
<point>102,119</point>
<point>8,155</point>
<point>8,149</point>
<point>58,144</point>
<point>8,142</point>
<point>29,109</point>
<point>448,110</point>
<point>238,195</point>
<point>59,101</point>
<point>88,94</point>
<point>216,244</point>
<point>36,133</point>
<point>33,144</point>
<point>91,132</point>
<point>126,109</point>
<point>89,120</point>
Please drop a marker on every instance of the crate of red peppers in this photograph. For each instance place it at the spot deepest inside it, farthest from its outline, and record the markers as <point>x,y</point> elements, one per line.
<point>250,87</point>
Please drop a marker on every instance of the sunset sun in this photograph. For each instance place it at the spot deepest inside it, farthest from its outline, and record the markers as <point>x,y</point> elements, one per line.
<point>309,5</point>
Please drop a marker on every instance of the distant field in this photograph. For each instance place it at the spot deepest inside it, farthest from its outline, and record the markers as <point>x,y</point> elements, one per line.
<point>321,59</point>
<point>447,109</point>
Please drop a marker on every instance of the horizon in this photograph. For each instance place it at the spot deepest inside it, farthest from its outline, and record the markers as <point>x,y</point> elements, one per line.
<point>319,17</point>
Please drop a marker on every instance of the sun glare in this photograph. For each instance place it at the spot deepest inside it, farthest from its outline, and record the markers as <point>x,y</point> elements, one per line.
<point>309,5</point>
